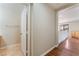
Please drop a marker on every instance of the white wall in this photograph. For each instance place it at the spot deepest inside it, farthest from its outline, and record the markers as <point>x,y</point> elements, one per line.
<point>62,35</point>
<point>10,17</point>
<point>70,16</point>
<point>43,28</point>
<point>73,26</point>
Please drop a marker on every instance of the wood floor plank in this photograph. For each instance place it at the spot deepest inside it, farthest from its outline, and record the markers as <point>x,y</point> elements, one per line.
<point>69,47</point>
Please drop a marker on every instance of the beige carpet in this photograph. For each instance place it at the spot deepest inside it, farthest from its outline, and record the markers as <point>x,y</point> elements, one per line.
<point>12,50</point>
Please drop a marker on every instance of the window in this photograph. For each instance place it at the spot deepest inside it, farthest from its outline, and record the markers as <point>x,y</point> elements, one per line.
<point>64,27</point>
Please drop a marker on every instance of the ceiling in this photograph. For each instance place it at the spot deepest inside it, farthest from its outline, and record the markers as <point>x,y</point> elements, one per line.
<point>70,14</point>
<point>59,6</point>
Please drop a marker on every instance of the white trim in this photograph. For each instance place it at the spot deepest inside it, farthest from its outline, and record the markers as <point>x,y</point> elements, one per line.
<point>29,30</point>
<point>49,50</point>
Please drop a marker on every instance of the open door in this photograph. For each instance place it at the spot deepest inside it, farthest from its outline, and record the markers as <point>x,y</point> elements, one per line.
<point>23,30</point>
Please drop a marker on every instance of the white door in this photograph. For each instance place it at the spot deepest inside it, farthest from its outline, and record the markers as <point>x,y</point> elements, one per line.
<point>23,29</point>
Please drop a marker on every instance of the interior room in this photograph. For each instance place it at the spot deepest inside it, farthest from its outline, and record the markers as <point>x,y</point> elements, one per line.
<point>68,32</point>
<point>13,24</point>
<point>53,28</point>
<point>39,29</point>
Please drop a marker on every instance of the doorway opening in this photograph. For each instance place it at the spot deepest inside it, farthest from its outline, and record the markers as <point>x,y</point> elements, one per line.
<point>14,29</point>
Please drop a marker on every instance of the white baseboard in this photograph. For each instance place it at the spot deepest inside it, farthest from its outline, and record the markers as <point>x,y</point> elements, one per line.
<point>49,50</point>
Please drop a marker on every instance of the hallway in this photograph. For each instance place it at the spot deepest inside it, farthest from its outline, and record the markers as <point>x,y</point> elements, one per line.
<point>36,31</point>
<point>69,47</point>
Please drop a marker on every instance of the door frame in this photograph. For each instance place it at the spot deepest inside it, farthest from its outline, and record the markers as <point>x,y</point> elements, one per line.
<point>29,31</point>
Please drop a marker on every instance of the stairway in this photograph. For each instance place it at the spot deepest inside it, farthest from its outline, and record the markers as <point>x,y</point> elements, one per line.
<point>10,50</point>
<point>2,42</point>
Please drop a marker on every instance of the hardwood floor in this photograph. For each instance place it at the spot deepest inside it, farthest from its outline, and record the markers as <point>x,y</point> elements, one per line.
<point>69,47</point>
